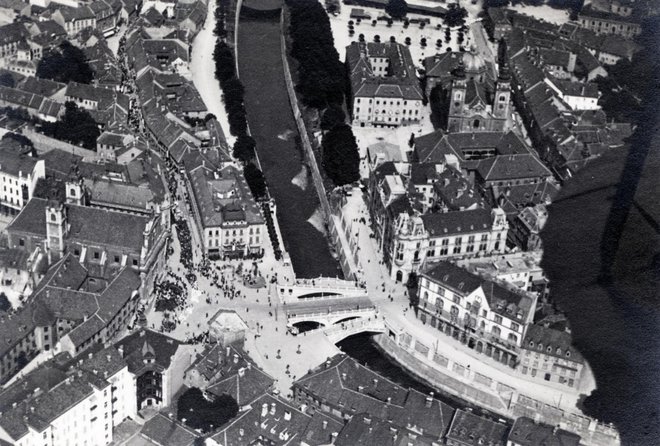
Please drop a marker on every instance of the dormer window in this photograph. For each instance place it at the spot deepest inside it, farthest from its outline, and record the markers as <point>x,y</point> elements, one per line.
<point>531,344</point>
<point>568,353</point>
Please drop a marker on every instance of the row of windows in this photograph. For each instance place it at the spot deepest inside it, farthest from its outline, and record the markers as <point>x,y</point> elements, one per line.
<point>233,232</point>
<point>398,102</point>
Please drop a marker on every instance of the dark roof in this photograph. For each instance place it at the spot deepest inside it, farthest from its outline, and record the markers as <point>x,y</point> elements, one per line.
<point>165,431</point>
<point>551,342</point>
<point>440,224</point>
<point>352,388</point>
<point>32,219</point>
<point>320,428</point>
<point>146,343</point>
<point>13,163</point>
<point>527,432</point>
<point>471,429</point>
<point>434,146</point>
<point>508,167</point>
<point>460,280</point>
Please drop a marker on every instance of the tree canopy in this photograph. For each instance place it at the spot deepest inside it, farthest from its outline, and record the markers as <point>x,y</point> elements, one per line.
<point>203,414</point>
<point>455,15</point>
<point>64,64</point>
<point>341,159</point>
<point>332,116</point>
<point>76,126</point>
<point>396,8</point>
<point>255,180</point>
<point>321,75</point>
<point>244,148</point>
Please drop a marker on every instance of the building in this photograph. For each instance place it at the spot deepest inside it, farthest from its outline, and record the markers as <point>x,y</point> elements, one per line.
<point>366,429</point>
<point>157,364</point>
<point>67,399</point>
<point>602,22</point>
<point>418,239</point>
<point>229,221</point>
<point>473,105</point>
<point>165,430</point>
<point>19,173</point>
<point>227,328</point>
<point>577,95</point>
<point>525,228</point>
<point>527,432</point>
<point>483,314</point>
<point>468,429</point>
<point>520,269</point>
<point>385,89</point>
<point>273,421</point>
<point>548,355</point>
<point>498,23</point>
<point>74,20</point>
<point>344,389</point>
<point>136,241</point>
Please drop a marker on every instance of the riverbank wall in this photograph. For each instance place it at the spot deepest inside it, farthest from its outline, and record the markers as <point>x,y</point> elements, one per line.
<point>337,230</point>
<point>444,374</point>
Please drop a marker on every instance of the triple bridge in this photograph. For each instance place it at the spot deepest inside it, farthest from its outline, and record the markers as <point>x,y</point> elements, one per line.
<point>339,308</point>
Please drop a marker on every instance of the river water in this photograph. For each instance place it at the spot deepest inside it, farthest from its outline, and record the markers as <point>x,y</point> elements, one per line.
<point>274,129</point>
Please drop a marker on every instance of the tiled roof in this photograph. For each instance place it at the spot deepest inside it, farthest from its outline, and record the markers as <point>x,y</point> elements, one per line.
<point>274,428</point>
<point>508,167</point>
<point>20,98</point>
<point>44,87</point>
<point>320,429</point>
<point>458,279</point>
<point>443,224</point>
<point>402,83</point>
<point>143,343</point>
<point>551,342</point>
<point>32,219</point>
<point>13,163</point>
<point>527,432</point>
<point>112,193</point>
<point>165,431</point>
<point>470,429</point>
<point>352,388</point>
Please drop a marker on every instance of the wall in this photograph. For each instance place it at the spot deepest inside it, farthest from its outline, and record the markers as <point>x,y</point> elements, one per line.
<point>448,376</point>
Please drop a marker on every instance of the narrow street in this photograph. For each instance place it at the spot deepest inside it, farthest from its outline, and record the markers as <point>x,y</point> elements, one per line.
<point>202,68</point>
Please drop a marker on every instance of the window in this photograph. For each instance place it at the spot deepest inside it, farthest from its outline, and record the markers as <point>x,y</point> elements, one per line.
<point>96,254</point>
<point>496,331</point>
<point>21,242</point>
<point>135,262</point>
<point>498,319</point>
<point>514,326</point>
<point>513,338</point>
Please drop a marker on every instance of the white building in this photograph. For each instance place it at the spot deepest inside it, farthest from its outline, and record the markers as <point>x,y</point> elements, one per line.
<point>483,314</point>
<point>385,87</point>
<point>443,235</point>
<point>79,405</point>
<point>577,95</point>
<point>19,174</point>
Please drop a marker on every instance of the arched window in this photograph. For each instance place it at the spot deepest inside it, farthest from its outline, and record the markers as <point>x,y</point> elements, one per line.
<point>72,192</point>
<point>496,331</point>
<point>475,124</point>
<point>426,295</point>
<point>513,338</point>
<point>52,217</point>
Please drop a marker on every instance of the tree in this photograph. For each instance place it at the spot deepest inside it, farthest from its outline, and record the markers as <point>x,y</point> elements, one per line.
<point>5,305</point>
<point>203,414</point>
<point>76,127</point>
<point>332,116</point>
<point>244,148</point>
<point>455,15</point>
<point>7,80</point>
<point>255,180</point>
<point>396,8</point>
<point>65,63</point>
<point>341,159</point>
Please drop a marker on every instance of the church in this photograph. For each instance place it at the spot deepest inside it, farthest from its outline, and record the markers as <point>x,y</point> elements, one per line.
<point>471,98</point>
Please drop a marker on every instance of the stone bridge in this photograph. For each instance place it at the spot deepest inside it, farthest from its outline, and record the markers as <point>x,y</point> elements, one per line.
<point>323,287</point>
<point>339,332</point>
<point>327,312</point>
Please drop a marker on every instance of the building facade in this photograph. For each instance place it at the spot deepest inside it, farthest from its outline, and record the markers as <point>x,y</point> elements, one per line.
<point>483,314</point>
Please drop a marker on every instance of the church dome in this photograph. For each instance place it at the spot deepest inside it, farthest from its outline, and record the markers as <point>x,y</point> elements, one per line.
<point>473,62</point>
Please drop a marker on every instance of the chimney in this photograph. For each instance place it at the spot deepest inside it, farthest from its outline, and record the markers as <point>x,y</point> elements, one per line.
<point>228,351</point>
<point>264,409</point>
<point>375,382</point>
<point>249,366</point>
<point>272,408</point>
<point>328,362</point>
<point>120,349</point>
<point>241,432</point>
<point>343,376</point>
<point>287,416</point>
<point>235,358</point>
<point>389,400</point>
<point>325,424</point>
<point>361,389</point>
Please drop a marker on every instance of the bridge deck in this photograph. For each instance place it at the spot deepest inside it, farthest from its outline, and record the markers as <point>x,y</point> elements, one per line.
<point>329,306</point>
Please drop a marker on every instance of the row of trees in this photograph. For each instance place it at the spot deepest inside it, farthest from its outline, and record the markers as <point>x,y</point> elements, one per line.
<point>321,75</point>
<point>322,81</point>
<point>225,72</point>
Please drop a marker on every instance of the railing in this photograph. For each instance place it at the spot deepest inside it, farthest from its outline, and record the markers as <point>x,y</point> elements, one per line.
<point>303,316</point>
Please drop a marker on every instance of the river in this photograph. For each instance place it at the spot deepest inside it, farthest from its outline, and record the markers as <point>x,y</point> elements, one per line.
<point>273,127</point>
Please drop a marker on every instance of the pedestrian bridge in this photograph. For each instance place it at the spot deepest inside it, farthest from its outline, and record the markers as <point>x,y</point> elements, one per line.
<point>322,287</point>
<point>327,312</point>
